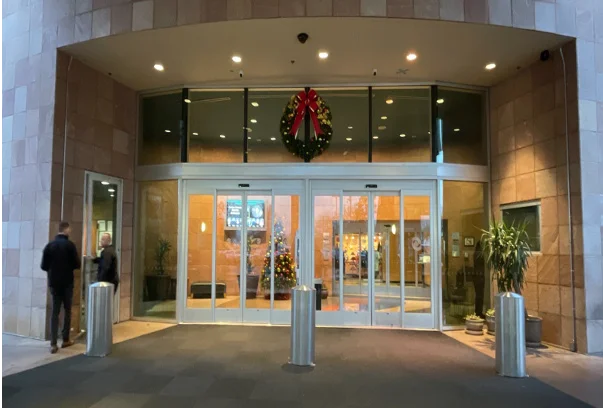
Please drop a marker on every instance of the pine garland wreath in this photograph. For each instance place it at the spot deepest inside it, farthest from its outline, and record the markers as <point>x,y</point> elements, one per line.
<point>319,141</point>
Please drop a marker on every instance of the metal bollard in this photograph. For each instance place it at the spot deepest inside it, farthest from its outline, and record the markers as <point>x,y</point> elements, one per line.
<point>302,346</point>
<point>99,328</point>
<point>510,343</point>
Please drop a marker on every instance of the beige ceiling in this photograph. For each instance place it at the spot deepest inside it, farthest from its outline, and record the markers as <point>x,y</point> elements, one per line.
<point>201,54</point>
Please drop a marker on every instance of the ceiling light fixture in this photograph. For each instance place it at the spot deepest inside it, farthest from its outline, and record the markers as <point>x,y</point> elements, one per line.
<point>187,100</point>
<point>158,67</point>
<point>222,136</point>
<point>105,183</point>
<point>440,101</point>
<point>255,104</point>
<point>348,139</point>
<point>403,135</point>
<point>349,127</point>
<point>195,134</point>
<point>273,138</point>
<point>490,66</point>
<point>376,137</point>
<point>456,130</point>
<point>323,54</point>
<point>167,131</point>
<point>253,121</point>
<point>112,195</point>
<point>411,56</point>
<point>382,127</point>
<point>389,101</point>
<point>236,59</point>
<point>384,117</point>
<point>111,190</point>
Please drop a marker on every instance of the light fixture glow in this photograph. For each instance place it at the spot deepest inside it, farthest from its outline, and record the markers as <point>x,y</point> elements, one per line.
<point>255,104</point>
<point>323,54</point>
<point>349,127</point>
<point>440,101</point>
<point>411,56</point>
<point>187,100</point>
<point>389,101</point>
<point>384,117</point>
<point>253,121</point>
<point>393,229</point>
<point>490,66</point>
<point>105,183</point>
<point>456,130</point>
<point>381,127</point>
<point>112,195</point>
<point>222,136</point>
<point>158,67</point>
<point>167,131</point>
<point>195,134</point>
<point>111,190</point>
<point>249,138</point>
<point>348,139</point>
<point>203,227</point>
<point>376,137</point>
<point>236,59</point>
<point>273,138</point>
<point>403,135</point>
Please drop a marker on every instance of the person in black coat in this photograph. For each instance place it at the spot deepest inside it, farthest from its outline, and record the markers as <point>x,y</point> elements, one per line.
<point>59,259</point>
<point>107,262</point>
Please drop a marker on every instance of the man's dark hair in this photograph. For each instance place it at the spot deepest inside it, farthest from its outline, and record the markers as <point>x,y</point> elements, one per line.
<point>63,226</point>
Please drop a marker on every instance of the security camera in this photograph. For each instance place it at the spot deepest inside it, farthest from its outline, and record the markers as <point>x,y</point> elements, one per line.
<point>374,71</point>
<point>240,73</point>
<point>544,56</point>
<point>302,37</point>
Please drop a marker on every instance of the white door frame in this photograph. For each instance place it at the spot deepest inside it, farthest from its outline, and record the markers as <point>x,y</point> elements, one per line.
<point>89,179</point>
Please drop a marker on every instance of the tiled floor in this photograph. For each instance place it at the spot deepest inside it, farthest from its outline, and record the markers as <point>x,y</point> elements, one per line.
<point>239,366</point>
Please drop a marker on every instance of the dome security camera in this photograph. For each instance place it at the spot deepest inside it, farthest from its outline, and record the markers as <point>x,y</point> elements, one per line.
<point>302,38</point>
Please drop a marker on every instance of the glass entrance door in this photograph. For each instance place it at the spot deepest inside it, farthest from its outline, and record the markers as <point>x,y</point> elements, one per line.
<point>242,251</point>
<point>369,246</point>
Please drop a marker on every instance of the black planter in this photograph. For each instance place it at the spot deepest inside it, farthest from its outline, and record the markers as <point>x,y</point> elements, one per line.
<point>251,285</point>
<point>532,331</point>
<point>490,325</point>
<point>158,287</point>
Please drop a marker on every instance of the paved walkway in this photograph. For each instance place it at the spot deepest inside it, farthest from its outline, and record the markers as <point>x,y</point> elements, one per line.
<point>237,366</point>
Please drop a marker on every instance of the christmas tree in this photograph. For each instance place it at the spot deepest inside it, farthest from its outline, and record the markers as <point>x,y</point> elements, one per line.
<point>285,270</point>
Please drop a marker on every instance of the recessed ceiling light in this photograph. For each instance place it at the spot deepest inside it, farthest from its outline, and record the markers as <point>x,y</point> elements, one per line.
<point>253,121</point>
<point>411,57</point>
<point>382,127</point>
<point>413,136</point>
<point>236,59</point>
<point>105,183</point>
<point>402,135</point>
<point>195,134</point>
<point>249,138</point>
<point>456,130</point>
<point>259,140</point>
<point>111,190</point>
<point>255,104</point>
<point>384,117</point>
<point>112,195</point>
<point>349,127</point>
<point>376,137</point>
<point>273,138</point>
<point>490,66</point>
<point>222,136</point>
<point>440,101</point>
<point>167,131</point>
<point>323,54</point>
<point>389,101</point>
<point>348,139</point>
<point>187,100</point>
<point>158,67</point>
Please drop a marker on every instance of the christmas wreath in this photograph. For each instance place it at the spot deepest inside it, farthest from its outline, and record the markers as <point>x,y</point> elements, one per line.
<point>300,105</point>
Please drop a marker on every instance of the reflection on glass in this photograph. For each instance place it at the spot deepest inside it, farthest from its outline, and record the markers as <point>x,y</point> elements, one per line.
<point>228,251</point>
<point>216,126</point>
<point>199,255</point>
<point>155,281</point>
<point>401,125</point>
<point>461,126</point>
<point>464,277</point>
<point>160,139</point>
<point>356,252</point>
<point>258,232</point>
<point>327,250</point>
<point>418,254</point>
<point>386,259</point>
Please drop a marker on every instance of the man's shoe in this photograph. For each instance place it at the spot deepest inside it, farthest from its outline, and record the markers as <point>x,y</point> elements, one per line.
<point>53,349</point>
<point>67,343</point>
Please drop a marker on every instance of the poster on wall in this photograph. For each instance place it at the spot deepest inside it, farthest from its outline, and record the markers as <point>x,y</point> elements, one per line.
<point>255,214</point>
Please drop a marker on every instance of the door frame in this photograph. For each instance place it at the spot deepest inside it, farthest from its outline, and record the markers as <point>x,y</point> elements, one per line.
<point>89,178</point>
<point>243,188</point>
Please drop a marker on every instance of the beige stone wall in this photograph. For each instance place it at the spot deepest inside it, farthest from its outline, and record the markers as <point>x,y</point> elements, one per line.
<point>528,163</point>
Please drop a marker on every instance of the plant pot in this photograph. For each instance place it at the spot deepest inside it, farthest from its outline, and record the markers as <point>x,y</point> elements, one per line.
<point>324,293</point>
<point>474,327</point>
<point>532,331</point>
<point>157,287</point>
<point>490,325</point>
<point>251,285</point>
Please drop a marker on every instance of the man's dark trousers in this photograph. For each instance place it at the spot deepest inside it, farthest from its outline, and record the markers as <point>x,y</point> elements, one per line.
<point>60,297</point>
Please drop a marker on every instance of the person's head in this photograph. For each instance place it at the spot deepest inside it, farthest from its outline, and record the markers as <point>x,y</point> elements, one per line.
<point>105,240</point>
<point>64,228</point>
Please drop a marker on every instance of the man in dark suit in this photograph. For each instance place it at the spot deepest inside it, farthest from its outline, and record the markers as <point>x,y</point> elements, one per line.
<point>107,262</point>
<point>59,259</point>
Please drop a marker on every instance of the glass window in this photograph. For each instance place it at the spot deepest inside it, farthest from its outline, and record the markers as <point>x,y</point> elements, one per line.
<point>465,280</point>
<point>401,125</point>
<point>199,251</point>
<point>462,126</point>
<point>528,214</point>
<point>216,126</point>
<point>156,249</point>
<point>160,138</point>
<point>328,250</point>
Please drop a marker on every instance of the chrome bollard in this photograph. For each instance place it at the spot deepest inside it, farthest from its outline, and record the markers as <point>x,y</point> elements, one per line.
<point>302,346</point>
<point>99,327</point>
<point>510,343</point>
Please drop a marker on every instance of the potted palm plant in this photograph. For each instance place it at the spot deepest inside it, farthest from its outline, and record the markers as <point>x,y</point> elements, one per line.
<point>506,249</point>
<point>490,319</point>
<point>474,325</point>
<point>158,282</point>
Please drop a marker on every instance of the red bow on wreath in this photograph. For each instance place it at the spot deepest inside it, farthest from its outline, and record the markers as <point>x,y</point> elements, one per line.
<point>307,101</point>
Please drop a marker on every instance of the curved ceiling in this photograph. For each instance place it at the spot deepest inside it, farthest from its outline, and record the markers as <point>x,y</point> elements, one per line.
<point>201,54</point>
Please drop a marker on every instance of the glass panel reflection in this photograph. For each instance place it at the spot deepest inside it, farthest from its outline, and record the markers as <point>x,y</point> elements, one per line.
<point>229,216</point>
<point>327,249</point>
<point>199,256</point>
<point>355,246</point>
<point>418,298</point>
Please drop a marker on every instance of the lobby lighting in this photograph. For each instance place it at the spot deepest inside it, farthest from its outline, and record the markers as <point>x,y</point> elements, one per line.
<point>255,104</point>
<point>167,131</point>
<point>403,135</point>
<point>253,121</point>
<point>348,139</point>
<point>323,54</point>
<point>195,134</point>
<point>222,136</point>
<point>490,66</point>
<point>376,137</point>
<point>249,138</point>
<point>382,127</point>
<point>203,227</point>
<point>111,190</point>
<point>440,101</point>
<point>456,130</point>
<point>411,57</point>
<point>105,183</point>
<point>158,67</point>
<point>393,229</point>
<point>187,100</point>
<point>384,117</point>
<point>236,59</point>
<point>349,127</point>
<point>112,195</point>
<point>389,101</point>
<point>273,138</point>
